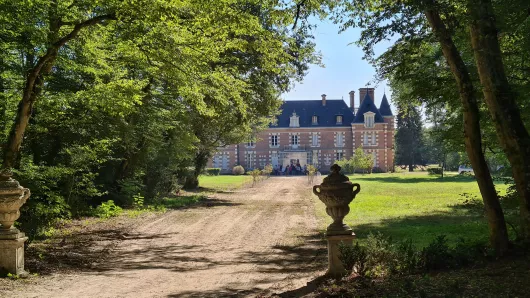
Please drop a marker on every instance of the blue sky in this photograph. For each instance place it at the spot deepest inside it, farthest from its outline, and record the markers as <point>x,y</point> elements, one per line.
<point>344,70</point>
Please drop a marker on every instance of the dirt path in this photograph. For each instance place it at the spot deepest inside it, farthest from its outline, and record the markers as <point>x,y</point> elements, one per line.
<point>251,242</point>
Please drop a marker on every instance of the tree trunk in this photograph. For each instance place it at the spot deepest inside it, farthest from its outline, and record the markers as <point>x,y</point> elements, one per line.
<point>501,103</point>
<point>200,161</point>
<point>472,136</point>
<point>411,168</point>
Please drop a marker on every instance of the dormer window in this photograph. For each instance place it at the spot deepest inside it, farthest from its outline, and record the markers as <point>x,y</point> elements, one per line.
<point>295,120</point>
<point>339,119</point>
<point>369,119</point>
<point>314,120</point>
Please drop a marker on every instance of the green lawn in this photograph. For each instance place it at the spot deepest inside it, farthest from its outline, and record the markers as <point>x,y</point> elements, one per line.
<point>224,182</point>
<point>416,206</point>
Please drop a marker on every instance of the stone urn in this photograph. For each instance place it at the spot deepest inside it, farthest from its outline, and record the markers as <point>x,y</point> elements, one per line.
<point>337,192</point>
<point>12,197</point>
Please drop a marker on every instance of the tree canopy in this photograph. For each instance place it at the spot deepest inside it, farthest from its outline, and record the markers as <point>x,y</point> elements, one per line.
<point>105,100</point>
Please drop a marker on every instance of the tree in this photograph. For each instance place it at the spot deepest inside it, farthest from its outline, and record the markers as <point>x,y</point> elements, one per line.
<point>361,160</point>
<point>409,137</point>
<point>501,100</point>
<point>126,97</point>
<point>420,29</point>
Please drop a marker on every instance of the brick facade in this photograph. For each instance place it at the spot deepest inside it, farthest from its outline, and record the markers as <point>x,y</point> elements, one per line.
<point>317,145</point>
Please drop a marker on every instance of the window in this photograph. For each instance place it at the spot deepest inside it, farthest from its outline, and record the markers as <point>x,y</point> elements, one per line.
<point>369,119</point>
<point>314,139</point>
<point>274,141</point>
<point>369,139</point>
<point>294,120</point>
<point>295,140</point>
<point>314,120</point>
<point>339,119</point>
<point>250,161</point>
<point>340,140</point>
<point>225,162</point>
<point>339,155</point>
<point>250,143</point>
<point>217,161</point>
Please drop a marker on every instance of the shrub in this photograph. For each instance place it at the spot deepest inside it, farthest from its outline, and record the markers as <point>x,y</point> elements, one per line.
<point>267,170</point>
<point>435,171</point>
<point>238,170</point>
<point>436,255</point>
<point>107,209</point>
<point>256,173</point>
<point>383,257</point>
<point>213,171</point>
<point>353,257</point>
<point>377,170</point>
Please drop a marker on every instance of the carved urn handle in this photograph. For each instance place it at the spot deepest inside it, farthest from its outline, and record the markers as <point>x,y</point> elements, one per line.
<point>356,190</point>
<point>317,187</point>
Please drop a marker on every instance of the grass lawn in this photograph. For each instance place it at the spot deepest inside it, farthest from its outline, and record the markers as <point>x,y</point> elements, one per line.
<point>416,206</point>
<point>224,182</point>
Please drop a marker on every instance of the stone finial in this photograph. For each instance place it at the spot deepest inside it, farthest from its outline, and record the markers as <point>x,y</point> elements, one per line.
<point>335,176</point>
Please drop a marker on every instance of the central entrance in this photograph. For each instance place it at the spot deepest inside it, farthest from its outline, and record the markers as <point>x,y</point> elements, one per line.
<point>294,158</point>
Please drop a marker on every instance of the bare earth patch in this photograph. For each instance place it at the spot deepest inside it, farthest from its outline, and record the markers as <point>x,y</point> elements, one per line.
<point>250,242</point>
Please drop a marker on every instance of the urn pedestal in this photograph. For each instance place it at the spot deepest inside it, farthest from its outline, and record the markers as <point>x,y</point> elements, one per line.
<point>337,192</point>
<point>12,197</point>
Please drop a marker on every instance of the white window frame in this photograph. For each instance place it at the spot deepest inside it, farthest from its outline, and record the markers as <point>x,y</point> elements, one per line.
<point>339,155</point>
<point>314,139</point>
<point>339,119</point>
<point>295,138</point>
<point>250,144</point>
<point>369,119</point>
<point>224,162</point>
<point>340,139</point>
<point>250,160</point>
<point>314,120</point>
<point>275,141</point>
<point>294,120</point>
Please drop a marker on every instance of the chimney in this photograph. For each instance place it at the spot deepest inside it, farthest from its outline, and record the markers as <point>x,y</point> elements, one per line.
<point>363,91</point>
<point>352,101</point>
<point>323,100</point>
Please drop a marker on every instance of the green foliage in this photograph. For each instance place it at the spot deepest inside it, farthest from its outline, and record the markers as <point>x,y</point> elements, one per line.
<point>213,171</point>
<point>435,171</point>
<point>409,137</point>
<point>360,161</point>
<point>437,254</point>
<point>382,257</point>
<point>107,210</point>
<point>238,170</point>
<point>354,257</point>
<point>267,170</point>
<point>256,174</point>
<point>136,102</point>
<point>138,202</point>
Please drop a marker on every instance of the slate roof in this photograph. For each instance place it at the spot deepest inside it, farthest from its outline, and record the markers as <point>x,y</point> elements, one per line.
<point>305,109</point>
<point>367,105</point>
<point>384,108</point>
